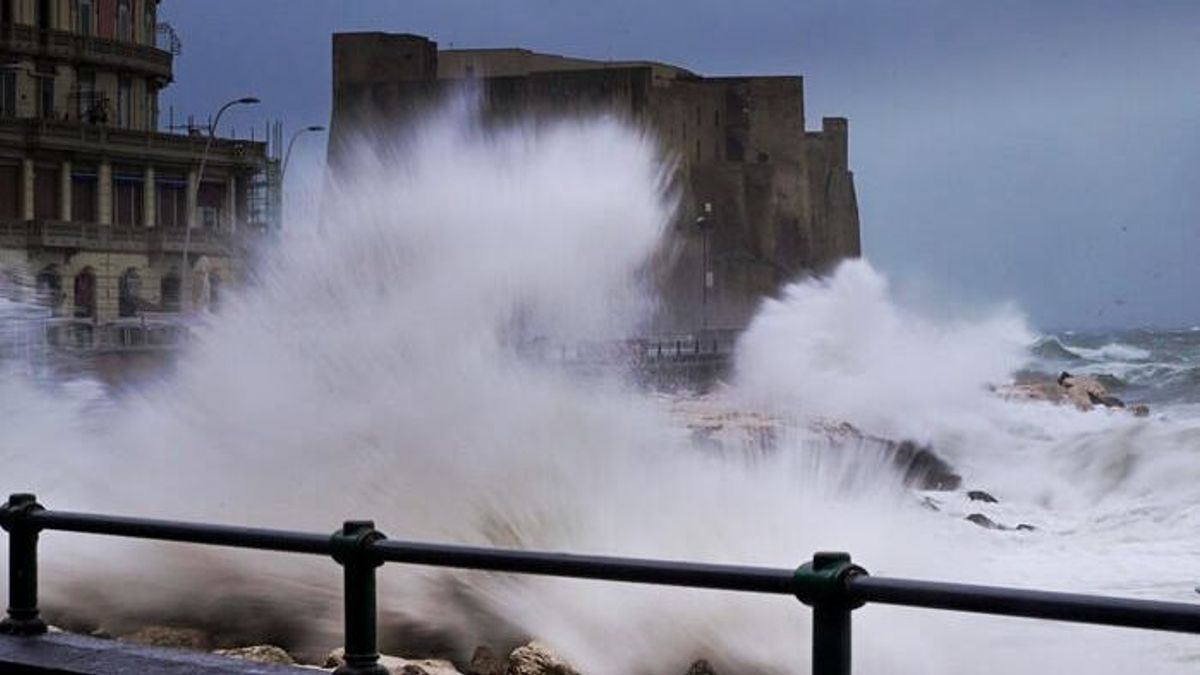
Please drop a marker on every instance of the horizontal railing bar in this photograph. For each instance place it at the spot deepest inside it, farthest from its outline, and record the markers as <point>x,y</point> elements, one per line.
<point>992,600</point>
<point>195,533</point>
<point>1152,614</point>
<point>604,568</point>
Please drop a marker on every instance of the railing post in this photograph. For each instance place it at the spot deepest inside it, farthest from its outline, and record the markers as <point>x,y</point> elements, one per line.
<point>822,584</point>
<point>23,612</point>
<point>352,549</point>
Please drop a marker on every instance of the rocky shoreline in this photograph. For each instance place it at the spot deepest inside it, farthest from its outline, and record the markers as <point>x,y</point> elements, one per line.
<point>1085,393</point>
<point>532,658</point>
<point>714,426</point>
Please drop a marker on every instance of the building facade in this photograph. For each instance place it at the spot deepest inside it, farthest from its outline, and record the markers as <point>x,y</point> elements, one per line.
<point>763,200</point>
<point>95,203</point>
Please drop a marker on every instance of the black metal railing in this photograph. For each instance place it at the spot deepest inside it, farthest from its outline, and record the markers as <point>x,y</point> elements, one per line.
<point>830,583</point>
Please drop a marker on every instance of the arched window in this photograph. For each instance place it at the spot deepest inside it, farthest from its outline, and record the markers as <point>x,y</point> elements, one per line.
<point>170,291</point>
<point>199,283</point>
<point>129,293</point>
<point>214,291</point>
<point>85,294</point>
<point>49,287</point>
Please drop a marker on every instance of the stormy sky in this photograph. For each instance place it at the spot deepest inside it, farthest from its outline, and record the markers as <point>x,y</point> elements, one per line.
<point>1045,153</point>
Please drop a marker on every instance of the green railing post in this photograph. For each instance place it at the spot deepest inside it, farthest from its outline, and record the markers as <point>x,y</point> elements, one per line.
<point>351,548</point>
<point>23,612</point>
<point>822,585</point>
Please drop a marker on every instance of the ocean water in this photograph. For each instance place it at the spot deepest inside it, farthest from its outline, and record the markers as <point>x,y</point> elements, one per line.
<point>372,368</point>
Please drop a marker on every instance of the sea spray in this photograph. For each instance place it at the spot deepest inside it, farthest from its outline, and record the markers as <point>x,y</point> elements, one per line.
<point>370,371</point>
<point>843,348</point>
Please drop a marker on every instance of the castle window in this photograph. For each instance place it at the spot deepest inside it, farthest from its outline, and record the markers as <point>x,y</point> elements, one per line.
<point>734,151</point>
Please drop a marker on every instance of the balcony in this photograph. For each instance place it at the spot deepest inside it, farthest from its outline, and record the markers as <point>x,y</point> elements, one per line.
<point>131,145</point>
<point>32,334</point>
<point>95,51</point>
<point>55,234</point>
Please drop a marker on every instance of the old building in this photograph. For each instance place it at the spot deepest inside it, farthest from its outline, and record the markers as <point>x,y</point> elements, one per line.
<point>95,202</point>
<point>763,199</point>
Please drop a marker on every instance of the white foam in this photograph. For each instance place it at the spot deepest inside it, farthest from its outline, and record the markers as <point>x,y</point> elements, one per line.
<point>368,372</point>
<point>1112,352</point>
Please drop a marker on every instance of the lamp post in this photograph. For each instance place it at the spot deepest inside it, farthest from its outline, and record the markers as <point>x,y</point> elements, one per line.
<point>286,157</point>
<point>186,278</point>
<point>705,223</point>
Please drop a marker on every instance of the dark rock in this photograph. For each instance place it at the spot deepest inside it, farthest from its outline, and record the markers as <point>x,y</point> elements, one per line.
<point>981,496</point>
<point>259,654</point>
<point>166,636</point>
<point>397,665</point>
<point>537,659</point>
<point>922,469</point>
<point>1140,410</point>
<point>919,466</point>
<point>985,522</point>
<point>1108,401</point>
<point>989,524</point>
<point>485,661</point>
<point>701,667</point>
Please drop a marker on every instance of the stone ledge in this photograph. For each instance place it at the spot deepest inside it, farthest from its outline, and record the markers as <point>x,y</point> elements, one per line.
<point>67,654</point>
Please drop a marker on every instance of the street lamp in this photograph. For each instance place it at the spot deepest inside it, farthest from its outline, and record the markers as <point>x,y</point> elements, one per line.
<point>287,155</point>
<point>186,279</point>
<point>283,169</point>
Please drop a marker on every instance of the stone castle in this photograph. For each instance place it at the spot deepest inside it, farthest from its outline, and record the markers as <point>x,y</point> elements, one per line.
<point>763,200</point>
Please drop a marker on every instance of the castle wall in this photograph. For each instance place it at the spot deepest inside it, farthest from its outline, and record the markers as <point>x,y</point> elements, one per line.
<point>781,200</point>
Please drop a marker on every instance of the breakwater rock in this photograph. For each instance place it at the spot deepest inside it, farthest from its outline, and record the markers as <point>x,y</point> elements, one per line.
<point>719,427</point>
<point>1081,391</point>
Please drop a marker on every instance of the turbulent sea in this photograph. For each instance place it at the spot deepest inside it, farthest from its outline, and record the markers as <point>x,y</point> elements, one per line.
<point>1159,367</point>
<point>368,370</point>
